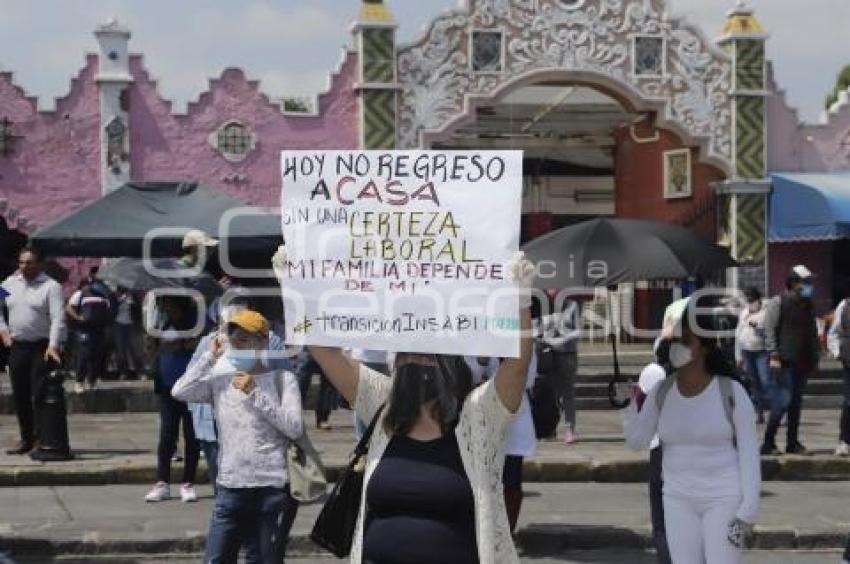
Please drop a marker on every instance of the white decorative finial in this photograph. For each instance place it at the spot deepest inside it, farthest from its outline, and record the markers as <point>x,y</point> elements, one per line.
<point>112,25</point>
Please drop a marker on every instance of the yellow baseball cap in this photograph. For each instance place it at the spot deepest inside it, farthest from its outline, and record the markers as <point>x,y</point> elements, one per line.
<point>250,322</point>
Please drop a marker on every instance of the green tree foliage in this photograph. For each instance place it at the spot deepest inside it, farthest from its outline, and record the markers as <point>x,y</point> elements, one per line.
<point>297,105</point>
<point>842,83</point>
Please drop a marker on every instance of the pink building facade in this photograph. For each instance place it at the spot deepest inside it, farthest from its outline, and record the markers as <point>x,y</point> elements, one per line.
<point>114,126</point>
<point>824,147</point>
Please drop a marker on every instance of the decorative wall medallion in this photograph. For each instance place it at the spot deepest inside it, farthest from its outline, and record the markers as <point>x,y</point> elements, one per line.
<point>487,51</point>
<point>648,56</point>
<point>677,174</point>
<point>233,140</point>
<point>592,38</point>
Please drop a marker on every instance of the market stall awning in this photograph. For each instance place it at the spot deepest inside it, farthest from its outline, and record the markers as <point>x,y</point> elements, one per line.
<point>117,224</point>
<point>809,207</point>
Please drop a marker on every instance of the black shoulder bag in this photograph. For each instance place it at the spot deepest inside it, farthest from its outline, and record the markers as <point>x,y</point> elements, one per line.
<point>334,528</point>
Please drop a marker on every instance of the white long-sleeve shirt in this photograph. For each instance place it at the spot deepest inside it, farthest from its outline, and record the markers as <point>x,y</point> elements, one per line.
<point>561,330</point>
<point>253,429</point>
<point>833,338</point>
<point>36,309</point>
<point>700,459</point>
<point>650,376</point>
<point>749,336</point>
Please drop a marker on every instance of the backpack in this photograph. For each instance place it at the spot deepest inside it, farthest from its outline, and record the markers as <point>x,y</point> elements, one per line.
<point>726,392</point>
<point>544,409</point>
<point>98,306</point>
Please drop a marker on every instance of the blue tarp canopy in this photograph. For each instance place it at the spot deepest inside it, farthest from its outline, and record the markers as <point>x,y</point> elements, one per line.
<point>809,207</point>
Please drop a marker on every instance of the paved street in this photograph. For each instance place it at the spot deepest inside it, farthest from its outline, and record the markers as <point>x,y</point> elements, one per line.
<point>572,557</point>
<point>570,507</point>
<point>555,518</point>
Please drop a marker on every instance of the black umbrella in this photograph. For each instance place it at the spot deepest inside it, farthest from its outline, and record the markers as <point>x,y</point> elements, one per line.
<point>144,275</point>
<point>607,251</point>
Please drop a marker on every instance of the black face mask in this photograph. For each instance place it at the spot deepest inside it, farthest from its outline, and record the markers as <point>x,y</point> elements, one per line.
<point>419,381</point>
<point>416,385</point>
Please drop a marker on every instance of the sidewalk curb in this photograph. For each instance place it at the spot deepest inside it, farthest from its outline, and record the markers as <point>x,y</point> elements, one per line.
<point>790,468</point>
<point>533,541</point>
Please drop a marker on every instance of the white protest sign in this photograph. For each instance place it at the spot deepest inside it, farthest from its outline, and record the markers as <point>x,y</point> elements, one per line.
<point>402,250</point>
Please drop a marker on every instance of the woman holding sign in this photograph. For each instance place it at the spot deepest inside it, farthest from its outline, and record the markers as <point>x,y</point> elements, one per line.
<point>434,472</point>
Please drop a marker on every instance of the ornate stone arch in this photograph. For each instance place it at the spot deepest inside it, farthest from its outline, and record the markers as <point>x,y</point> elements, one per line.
<point>584,41</point>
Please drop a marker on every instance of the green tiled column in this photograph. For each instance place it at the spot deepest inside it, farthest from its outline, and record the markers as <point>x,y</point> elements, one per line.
<point>375,36</point>
<point>745,194</point>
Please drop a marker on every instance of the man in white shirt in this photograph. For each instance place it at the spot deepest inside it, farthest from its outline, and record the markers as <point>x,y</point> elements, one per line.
<point>32,333</point>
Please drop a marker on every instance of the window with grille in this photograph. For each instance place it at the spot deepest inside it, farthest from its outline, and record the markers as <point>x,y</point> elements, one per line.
<point>233,140</point>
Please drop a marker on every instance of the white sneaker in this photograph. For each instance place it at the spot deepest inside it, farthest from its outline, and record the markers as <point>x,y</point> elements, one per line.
<point>78,388</point>
<point>187,494</point>
<point>159,492</point>
<point>843,449</point>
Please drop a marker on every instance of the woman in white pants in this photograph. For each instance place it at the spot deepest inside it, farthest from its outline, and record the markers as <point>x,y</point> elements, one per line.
<point>711,465</point>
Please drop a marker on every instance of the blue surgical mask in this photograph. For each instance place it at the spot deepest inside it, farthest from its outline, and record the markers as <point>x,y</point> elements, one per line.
<point>807,291</point>
<point>243,360</point>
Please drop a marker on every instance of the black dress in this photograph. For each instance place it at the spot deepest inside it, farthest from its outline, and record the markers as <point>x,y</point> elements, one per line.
<point>419,505</point>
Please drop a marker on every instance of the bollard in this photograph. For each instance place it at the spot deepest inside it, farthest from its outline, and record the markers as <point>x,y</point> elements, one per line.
<point>52,420</point>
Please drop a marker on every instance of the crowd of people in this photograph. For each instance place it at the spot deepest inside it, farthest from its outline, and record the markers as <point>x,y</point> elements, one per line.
<point>449,433</point>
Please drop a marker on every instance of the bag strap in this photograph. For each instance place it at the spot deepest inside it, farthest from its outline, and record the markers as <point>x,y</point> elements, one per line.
<point>784,313</point>
<point>363,446</point>
<point>279,384</point>
<point>727,394</point>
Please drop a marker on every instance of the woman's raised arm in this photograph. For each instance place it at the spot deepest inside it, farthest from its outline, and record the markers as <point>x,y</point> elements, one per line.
<point>512,374</point>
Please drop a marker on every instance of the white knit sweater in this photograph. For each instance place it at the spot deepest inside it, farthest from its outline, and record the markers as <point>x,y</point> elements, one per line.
<point>481,435</point>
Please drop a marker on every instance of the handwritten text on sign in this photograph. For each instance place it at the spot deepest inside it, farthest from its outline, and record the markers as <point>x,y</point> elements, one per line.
<point>402,250</point>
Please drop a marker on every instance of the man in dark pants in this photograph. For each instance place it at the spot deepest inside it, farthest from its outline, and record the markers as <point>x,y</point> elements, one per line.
<point>32,334</point>
<point>791,339</point>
